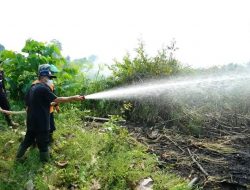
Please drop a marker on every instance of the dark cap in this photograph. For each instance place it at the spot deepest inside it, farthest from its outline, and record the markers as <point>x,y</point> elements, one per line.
<point>44,70</point>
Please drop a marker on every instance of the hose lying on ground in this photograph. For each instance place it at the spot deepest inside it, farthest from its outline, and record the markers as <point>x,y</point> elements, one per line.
<point>11,112</point>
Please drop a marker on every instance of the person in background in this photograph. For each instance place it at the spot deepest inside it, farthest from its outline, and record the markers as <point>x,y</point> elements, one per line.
<point>54,70</point>
<point>38,101</point>
<point>4,103</point>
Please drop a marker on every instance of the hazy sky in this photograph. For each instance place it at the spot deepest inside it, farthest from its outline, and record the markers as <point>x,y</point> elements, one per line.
<point>207,32</point>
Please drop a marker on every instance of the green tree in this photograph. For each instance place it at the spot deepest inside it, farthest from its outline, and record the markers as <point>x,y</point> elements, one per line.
<point>143,67</point>
<point>21,68</point>
<point>137,70</point>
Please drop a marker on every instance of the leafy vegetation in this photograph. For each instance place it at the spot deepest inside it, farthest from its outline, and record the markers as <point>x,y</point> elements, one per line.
<point>21,68</point>
<point>83,157</point>
<point>137,70</point>
<point>106,157</point>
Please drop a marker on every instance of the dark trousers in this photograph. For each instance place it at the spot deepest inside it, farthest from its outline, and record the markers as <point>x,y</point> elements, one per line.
<point>4,104</point>
<point>40,137</point>
<point>52,126</point>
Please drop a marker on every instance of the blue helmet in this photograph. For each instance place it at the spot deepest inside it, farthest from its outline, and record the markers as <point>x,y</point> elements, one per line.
<point>44,70</point>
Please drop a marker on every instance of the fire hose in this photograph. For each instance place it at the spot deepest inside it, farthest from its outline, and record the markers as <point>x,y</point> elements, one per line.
<point>11,112</point>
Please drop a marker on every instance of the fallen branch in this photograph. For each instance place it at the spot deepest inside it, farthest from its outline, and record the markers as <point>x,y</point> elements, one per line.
<point>101,119</point>
<point>192,182</point>
<point>174,143</point>
<point>96,118</point>
<point>197,163</point>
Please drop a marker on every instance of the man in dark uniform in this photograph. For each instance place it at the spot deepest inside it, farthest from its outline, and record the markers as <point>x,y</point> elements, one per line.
<point>4,103</point>
<point>53,70</point>
<point>38,102</point>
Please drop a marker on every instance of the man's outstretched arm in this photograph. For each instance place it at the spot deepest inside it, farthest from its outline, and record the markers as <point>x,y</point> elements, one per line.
<point>67,99</point>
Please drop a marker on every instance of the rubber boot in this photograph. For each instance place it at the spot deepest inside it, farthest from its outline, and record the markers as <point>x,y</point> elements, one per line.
<point>44,156</point>
<point>20,152</point>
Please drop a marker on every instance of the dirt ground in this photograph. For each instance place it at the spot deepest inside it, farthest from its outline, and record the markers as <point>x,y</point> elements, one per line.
<point>219,158</point>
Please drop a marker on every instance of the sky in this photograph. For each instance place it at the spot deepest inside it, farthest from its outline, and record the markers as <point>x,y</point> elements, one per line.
<point>207,32</point>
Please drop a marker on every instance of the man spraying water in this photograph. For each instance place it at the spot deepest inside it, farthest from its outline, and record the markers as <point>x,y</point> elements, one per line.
<point>38,101</point>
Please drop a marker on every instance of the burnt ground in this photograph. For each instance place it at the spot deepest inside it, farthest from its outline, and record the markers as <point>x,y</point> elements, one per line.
<point>219,157</point>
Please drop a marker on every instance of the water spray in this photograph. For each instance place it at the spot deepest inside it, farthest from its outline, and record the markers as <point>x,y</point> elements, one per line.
<point>159,88</point>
